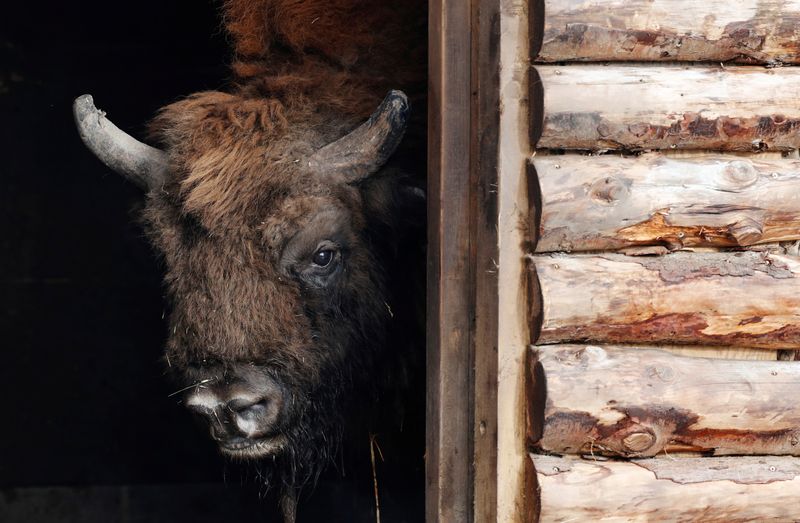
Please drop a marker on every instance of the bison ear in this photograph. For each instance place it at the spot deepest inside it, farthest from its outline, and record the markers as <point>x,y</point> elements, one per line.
<point>366,149</point>
<point>144,165</point>
<point>395,199</point>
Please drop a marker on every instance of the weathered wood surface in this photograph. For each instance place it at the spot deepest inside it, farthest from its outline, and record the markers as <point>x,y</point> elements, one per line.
<point>635,107</point>
<point>751,31</point>
<point>721,490</point>
<point>449,489</point>
<point>611,202</point>
<point>485,136</point>
<point>621,401</point>
<point>722,353</point>
<point>514,470</point>
<point>749,299</point>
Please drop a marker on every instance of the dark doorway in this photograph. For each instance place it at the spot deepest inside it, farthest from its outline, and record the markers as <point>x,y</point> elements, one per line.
<point>90,432</point>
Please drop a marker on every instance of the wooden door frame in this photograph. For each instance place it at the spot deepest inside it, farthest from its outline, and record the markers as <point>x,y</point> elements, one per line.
<point>463,127</point>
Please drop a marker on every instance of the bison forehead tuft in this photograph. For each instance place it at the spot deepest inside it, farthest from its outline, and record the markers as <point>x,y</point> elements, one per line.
<point>231,156</point>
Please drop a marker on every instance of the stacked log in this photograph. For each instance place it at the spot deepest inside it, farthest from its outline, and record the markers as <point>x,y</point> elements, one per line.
<point>595,402</point>
<point>690,173</point>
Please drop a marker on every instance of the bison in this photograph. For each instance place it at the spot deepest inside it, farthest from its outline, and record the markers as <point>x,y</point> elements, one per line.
<point>288,231</point>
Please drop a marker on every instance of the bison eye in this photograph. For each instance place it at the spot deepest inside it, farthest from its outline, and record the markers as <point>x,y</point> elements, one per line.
<point>323,257</point>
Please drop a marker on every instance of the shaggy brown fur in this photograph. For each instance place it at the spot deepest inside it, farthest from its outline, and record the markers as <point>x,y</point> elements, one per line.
<point>240,215</point>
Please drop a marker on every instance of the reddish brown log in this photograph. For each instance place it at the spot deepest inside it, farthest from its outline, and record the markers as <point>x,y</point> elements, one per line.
<point>749,299</point>
<point>634,107</point>
<point>719,490</point>
<point>653,200</point>
<point>749,31</point>
<point>641,402</point>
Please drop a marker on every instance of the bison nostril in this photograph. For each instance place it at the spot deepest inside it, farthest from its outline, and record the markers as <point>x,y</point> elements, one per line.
<point>256,417</point>
<point>241,405</point>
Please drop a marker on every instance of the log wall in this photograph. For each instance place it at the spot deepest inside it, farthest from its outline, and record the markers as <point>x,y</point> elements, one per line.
<point>688,168</point>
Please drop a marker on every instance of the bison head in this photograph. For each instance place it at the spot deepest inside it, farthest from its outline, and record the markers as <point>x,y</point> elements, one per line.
<point>271,222</point>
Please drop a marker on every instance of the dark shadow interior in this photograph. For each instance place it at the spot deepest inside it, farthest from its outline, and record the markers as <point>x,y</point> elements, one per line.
<point>90,432</point>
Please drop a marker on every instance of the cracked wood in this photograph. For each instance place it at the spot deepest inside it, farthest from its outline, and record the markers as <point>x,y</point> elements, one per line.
<point>749,31</point>
<point>749,299</point>
<point>634,107</point>
<point>653,200</point>
<point>721,490</point>
<point>639,402</point>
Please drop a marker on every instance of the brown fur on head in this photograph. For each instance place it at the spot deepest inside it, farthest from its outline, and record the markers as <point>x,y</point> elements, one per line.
<point>240,192</point>
<point>238,223</point>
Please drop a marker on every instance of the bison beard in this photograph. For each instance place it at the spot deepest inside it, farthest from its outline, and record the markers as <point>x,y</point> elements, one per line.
<point>280,218</point>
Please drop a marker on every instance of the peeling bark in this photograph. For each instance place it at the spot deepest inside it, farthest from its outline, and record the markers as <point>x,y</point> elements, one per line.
<point>641,402</point>
<point>631,107</point>
<point>721,490</point>
<point>748,31</point>
<point>749,299</point>
<point>652,200</point>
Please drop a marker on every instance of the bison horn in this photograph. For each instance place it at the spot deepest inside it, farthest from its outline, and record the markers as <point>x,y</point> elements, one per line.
<point>144,165</point>
<point>365,149</point>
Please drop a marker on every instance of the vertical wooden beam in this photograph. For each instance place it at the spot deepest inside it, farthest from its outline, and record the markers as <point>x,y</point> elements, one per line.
<point>515,491</point>
<point>449,473</point>
<point>484,180</point>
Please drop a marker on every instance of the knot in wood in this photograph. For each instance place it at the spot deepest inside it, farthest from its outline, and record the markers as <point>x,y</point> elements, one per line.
<point>740,173</point>
<point>608,190</point>
<point>662,372</point>
<point>638,441</point>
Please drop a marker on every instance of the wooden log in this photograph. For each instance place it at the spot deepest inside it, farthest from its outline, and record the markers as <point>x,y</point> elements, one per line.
<point>749,299</point>
<point>634,107</point>
<point>721,353</point>
<point>749,31</point>
<point>721,490</point>
<point>619,401</point>
<point>652,200</point>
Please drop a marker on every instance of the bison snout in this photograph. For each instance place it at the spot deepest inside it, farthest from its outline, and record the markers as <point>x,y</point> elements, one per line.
<point>241,415</point>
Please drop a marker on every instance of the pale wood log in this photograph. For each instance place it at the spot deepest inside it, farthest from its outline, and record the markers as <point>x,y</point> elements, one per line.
<point>513,468</point>
<point>750,31</point>
<point>612,202</point>
<point>635,107</point>
<point>749,299</point>
<point>620,401</point>
<point>721,490</point>
<point>721,353</point>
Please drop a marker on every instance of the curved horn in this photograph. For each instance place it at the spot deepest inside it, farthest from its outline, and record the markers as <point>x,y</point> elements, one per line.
<point>365,149</point>
<point>144,165</point>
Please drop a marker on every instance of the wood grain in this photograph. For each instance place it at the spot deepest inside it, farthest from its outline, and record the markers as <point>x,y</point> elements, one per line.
<point>484,177</point>
<point>718,490</point>
<point>449,432</point>
<point>749,31</point>
<point>749,299</point>
<point>638,402</point>
<point>653,200</point>
<point>641,107</point>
